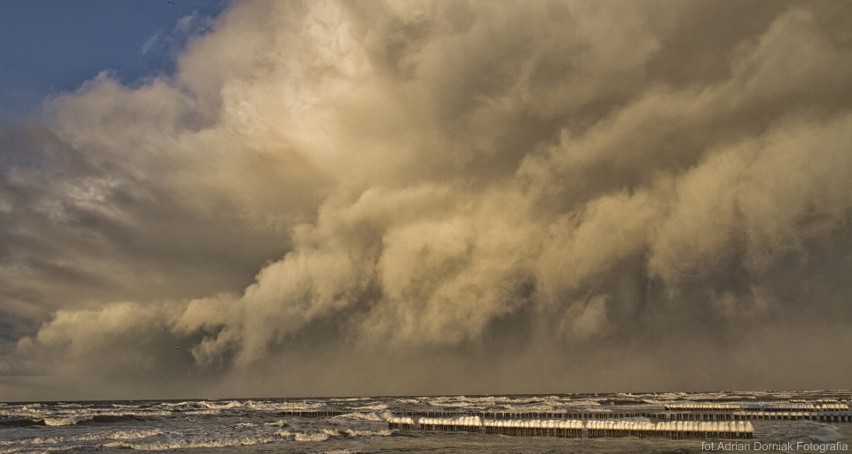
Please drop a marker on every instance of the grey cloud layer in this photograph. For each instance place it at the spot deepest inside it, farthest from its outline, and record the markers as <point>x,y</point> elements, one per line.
<point>443,197</point>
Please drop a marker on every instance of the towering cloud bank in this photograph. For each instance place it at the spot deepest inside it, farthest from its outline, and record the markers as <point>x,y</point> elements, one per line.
<point>413,197</point>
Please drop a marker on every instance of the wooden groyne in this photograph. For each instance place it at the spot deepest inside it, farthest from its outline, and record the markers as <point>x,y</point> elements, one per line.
<point>462,424</point>
<point>715,415</point>
<point>577,429</point>
<point>547,428</point>
<point>532,414</point>
<point>742,415</point>
<point>312,413</point>
<point>670,429</point>
<point>403,423</point>
<point>793,406</point>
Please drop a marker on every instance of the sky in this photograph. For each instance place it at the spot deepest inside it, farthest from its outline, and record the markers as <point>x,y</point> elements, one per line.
<point>282,198</point>
<point>53,46</point>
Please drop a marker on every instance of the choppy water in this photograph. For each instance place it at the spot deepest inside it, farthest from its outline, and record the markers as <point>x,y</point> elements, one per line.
<point>263,425</point>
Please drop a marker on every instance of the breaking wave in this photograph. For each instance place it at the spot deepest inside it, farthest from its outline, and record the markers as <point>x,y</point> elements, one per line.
<point>170,445</point>
<point>366,433</point>
<point>372,416</point>
<point>98,436</point>
<point>66,421</point>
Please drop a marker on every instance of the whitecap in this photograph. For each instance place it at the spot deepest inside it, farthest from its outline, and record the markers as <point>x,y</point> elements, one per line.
<point>45,442</point>
<point>373,407</point>
<point>170,445</point>
<point>372,416</point>
<point>367,433</point>
<point>314,436</point>
<point>281,406</point>
<point>220,405</point>
<point>66,421</point>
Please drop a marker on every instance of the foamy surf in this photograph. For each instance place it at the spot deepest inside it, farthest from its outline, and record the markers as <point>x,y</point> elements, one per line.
<point>65,421</point>
<point>372,416</point>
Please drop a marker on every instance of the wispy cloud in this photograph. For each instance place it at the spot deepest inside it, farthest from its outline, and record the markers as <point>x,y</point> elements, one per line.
<point>151,42</point>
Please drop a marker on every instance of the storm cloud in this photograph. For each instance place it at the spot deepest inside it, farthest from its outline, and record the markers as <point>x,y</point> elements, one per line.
<point>442,197</point>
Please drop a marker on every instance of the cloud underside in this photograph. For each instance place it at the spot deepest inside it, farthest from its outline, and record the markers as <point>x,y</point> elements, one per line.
<point>347,198</point>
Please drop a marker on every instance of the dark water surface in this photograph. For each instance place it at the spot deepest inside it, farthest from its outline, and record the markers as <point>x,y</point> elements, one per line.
<point>267,425</point>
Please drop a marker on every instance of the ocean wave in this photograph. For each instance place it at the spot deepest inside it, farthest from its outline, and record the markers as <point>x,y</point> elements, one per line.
<point>21,422</point>
<point>201,407</point>
<point>325,434</point>
<point>661,398</point>
<point>218,405</point>
<point>462,400</point>
<point>66,420</point>
<point>705,396</point>
<point>40,450</point>
<point>282,406</point>
<point>206,412</point>
<point>313,436</point>
<point>322,435</point>
<point>549,403</point>
<point>178,405</point>
<point>125,406</point>
<point>104,415</point>
<point>372,407</point>
<point>170,445</point>
<point>525,403</point>
<point>113,418</point>
<point>366,433</point>
<point>119,435</point>
<point>71,406</point>
<point>69,420</point>
<point>151,440</point>
<point>798,431</point>
<point>583,403</point>
<point>372,416</point>
<point>97,436</point>
<point>23,412</point>
<point>207,442</point>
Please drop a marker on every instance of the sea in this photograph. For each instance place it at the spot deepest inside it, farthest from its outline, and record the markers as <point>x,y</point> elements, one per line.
<point>359,425</point>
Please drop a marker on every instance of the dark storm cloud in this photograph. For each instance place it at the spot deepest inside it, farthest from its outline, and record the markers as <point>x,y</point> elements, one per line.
<point>445,197</point>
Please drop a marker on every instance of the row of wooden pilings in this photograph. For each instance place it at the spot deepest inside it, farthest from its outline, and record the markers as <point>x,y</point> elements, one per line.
<point>671,429</point>
<point>695,406</point>
<point>532,414</point>
<point>312,413</point>
<point>562,415</point>
<point>530,427</point>
<point>821,416</point>
<point>401,422</point>
<point>547,428</point>
<point>742,415</point>
<point>575,428</point>
<point>798,407</point>
<point>463,424</point>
